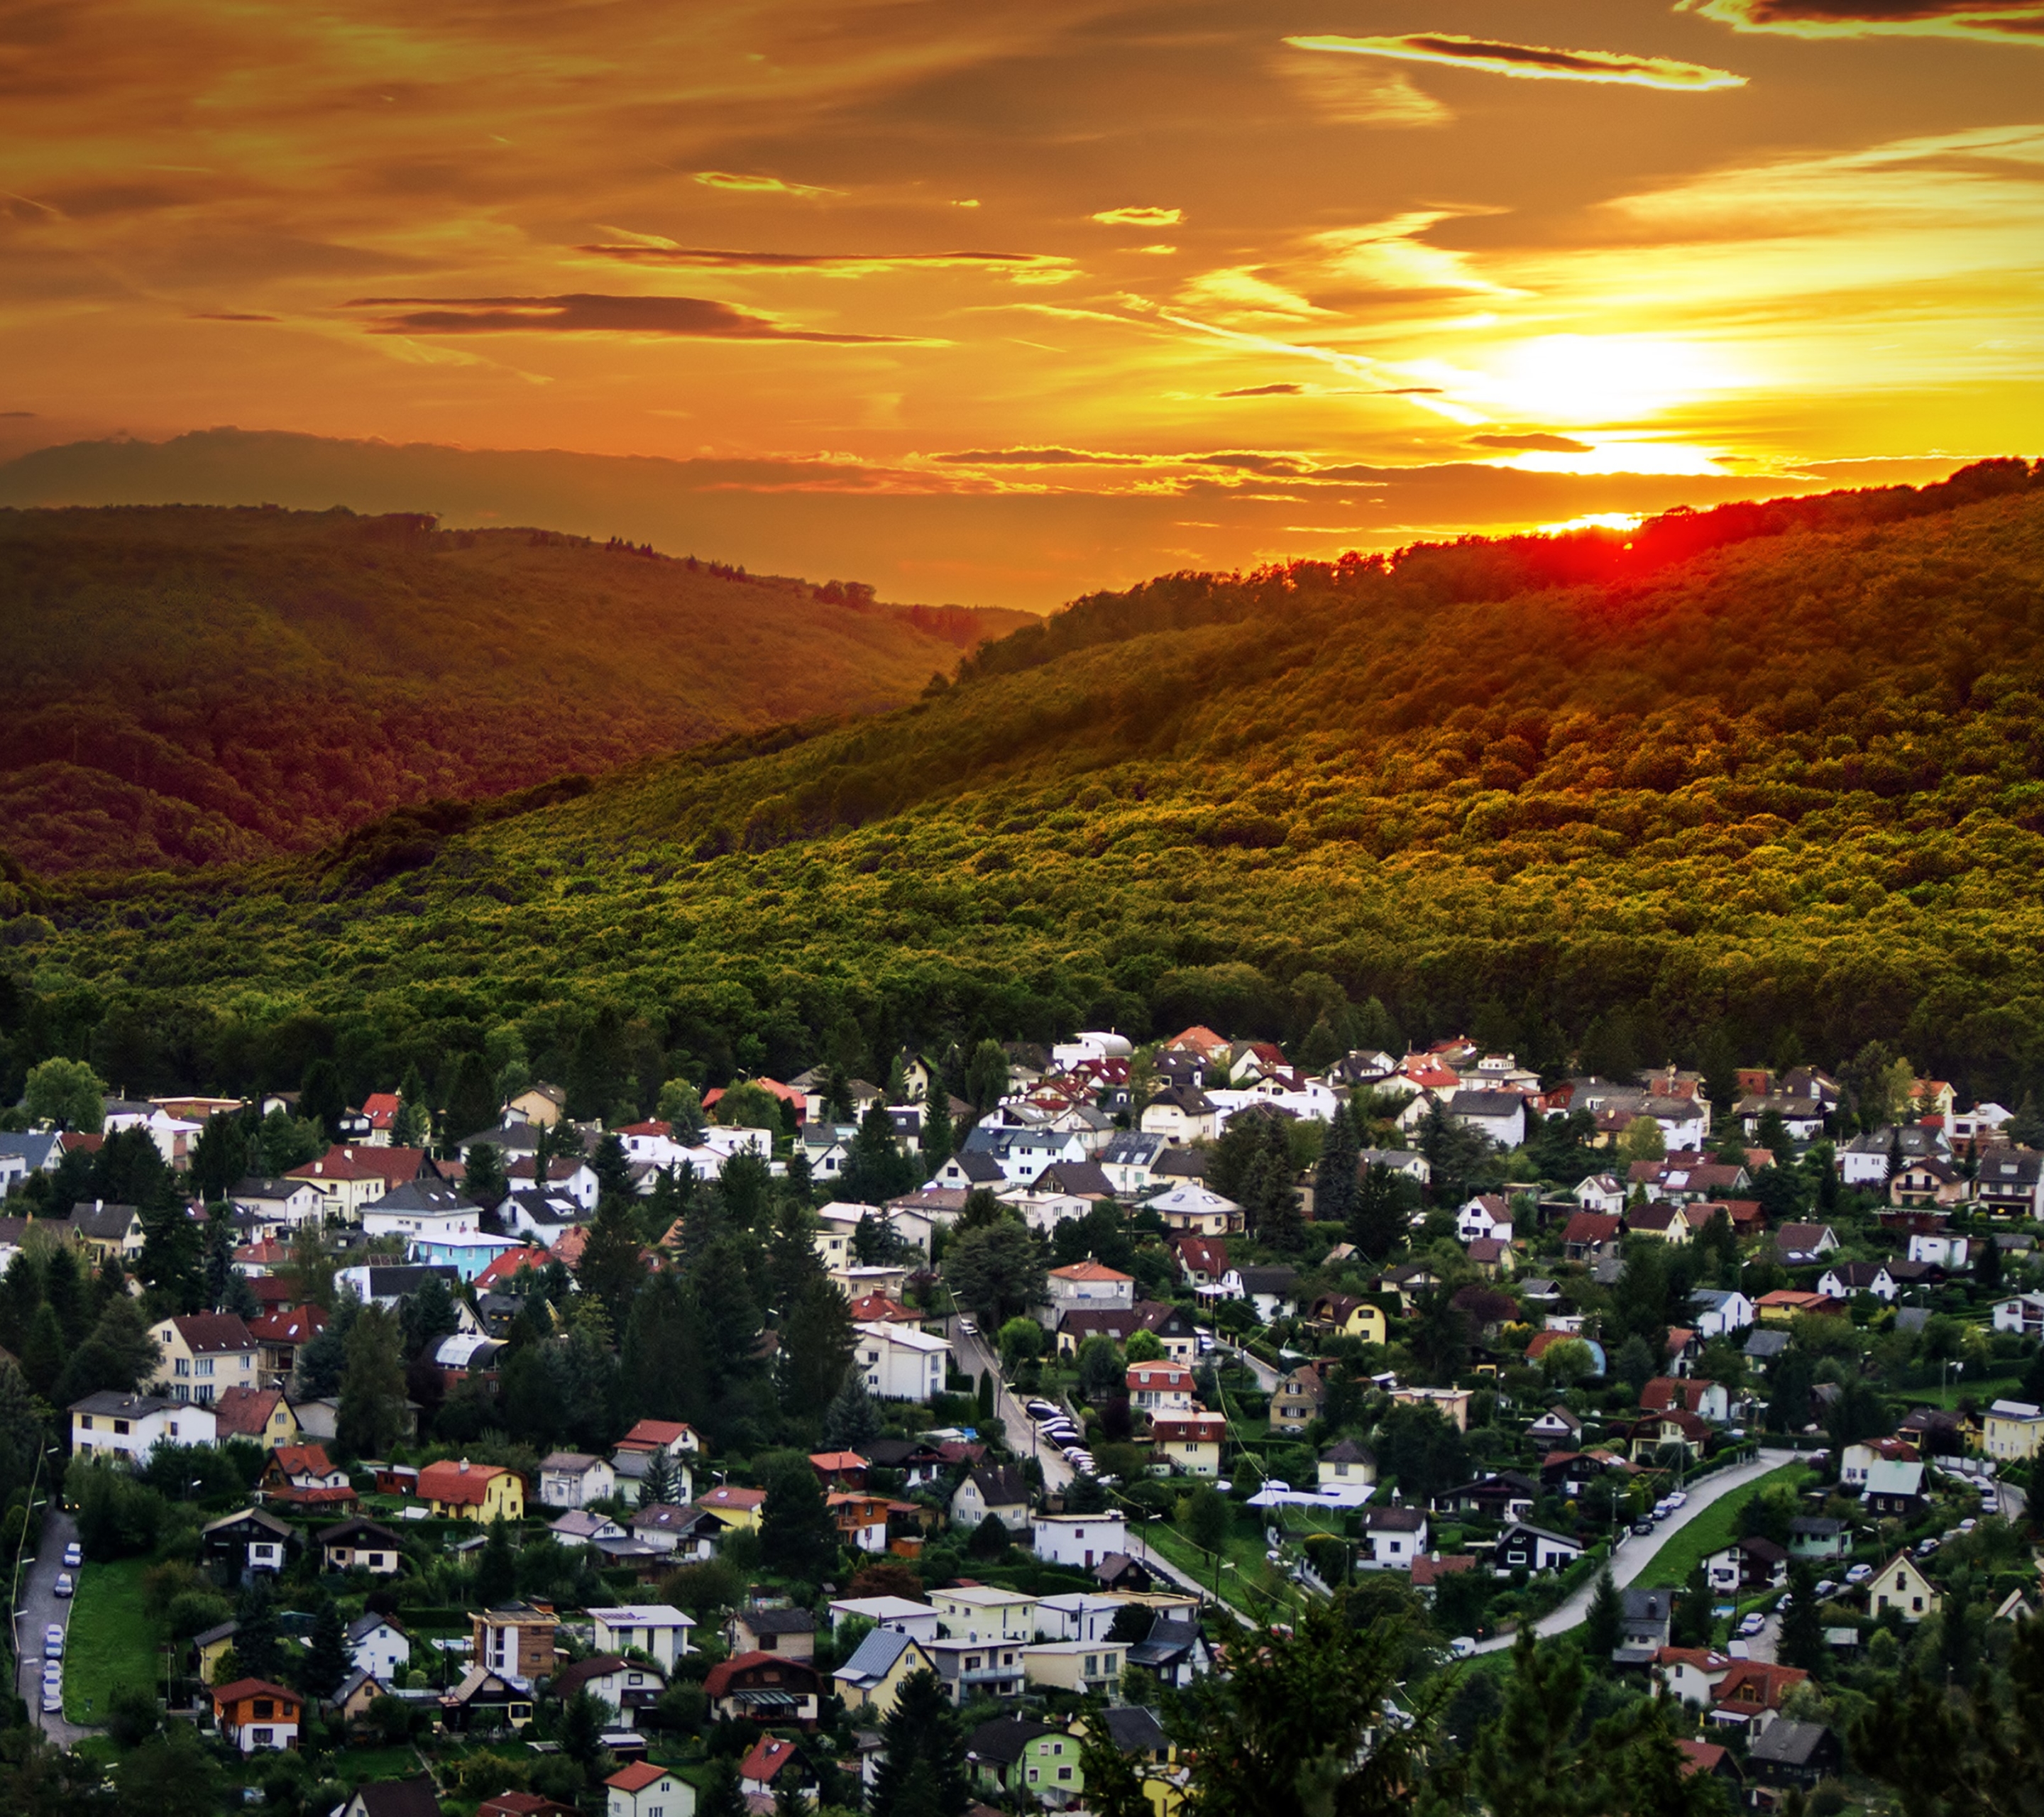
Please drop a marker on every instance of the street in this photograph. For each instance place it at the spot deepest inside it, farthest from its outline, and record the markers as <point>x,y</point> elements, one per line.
<point>1634,1552</point>
<point>39,1606</point>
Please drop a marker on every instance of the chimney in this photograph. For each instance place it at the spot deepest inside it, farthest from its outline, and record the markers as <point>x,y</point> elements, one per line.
<point>464,1463</point>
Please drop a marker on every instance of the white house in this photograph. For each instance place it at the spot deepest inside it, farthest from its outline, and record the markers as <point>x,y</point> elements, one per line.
<point>897,1615</point>
<point>1718,1311</point>
<point>1942,1249</point>
<point>901,1363</point>
<point>378,1646</point>
<point>655,1629</point>
<point>419,1208</point>
<point>1129,1161</point>
<point>645,1790</point>
<point>1087,1287</point>
<point>1603,1193</point>
<point>1182,1114</point>
<point>1079,1540</point>
<point>1395,1536</point>
<point>574,1479</point>
<point>1499,1117</point>
<point>1844,1279</point>
<point>1160,1387</point>
<point>1487,1215</point>
<point>2024,1312</point>
<point>131,1426</point>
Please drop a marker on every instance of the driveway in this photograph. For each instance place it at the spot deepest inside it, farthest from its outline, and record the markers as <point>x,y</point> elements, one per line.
<point>1635,1552</point>
<point>976,1354</point>
<point>39,1606</point>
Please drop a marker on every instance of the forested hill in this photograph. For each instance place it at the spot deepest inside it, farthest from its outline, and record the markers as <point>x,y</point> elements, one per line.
<point>1778,777</point>
<point>192,686</point>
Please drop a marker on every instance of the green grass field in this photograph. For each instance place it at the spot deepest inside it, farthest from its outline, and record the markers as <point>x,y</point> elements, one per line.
<point>1710,1530</point>
<point>111,1640</point>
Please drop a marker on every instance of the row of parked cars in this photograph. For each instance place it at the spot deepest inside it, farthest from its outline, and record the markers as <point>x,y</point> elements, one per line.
<point>1663,1508</point>
<point>1056,1425</point>
<point>53,1635</point>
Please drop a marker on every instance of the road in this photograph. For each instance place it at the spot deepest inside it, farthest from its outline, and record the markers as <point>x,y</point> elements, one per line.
<point>39,1606</point>
<point>1636,1553</point>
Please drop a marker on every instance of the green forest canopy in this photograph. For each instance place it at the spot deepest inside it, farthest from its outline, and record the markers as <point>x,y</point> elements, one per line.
<point>1776,773</point>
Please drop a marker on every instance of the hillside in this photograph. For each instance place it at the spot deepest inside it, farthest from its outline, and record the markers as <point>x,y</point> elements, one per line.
<point>1777,775</point>
<point>196,686</point>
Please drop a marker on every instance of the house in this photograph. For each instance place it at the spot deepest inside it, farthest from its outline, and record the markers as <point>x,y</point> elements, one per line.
<point>977,1612</point>
<point>247,1545</point>
<point>1856,1460</point>
<point>1523,1547</point>
<point>1646,1617</point>
<point>1785,1304</point>
<point>1273,1292</point>
<point>422,1210</point>
<point>1394,1537</point>
<point>771,1764</point>
<point>764,1688</point>
<point>108,1232</point>
<point>654,1629</point>
<point>1169,1326</point>
<point>304,1477</point>
<point>1928,1182</point>
<point>1190,1442</point>
<point>627,1685</point>
<point>1802,1245</point>
<point>2022,1312</point>
<point>458,1490</point>
<point>1011,1754</point>
<point>1587,1232</point>
<point>1298,1398</point>
<point>977,1667</point>
<point>1818,1537</point>
<point>871,1679</point>
<point>486,1701</point>
<point>1181,1113</point>
<point>1174,1650</point>
<point>897,1614</point>
<point>2012,1430</point>
<point>348,1177</point>
<point>1347,1464</point>
<point>1159,1387</point>
<point>1691,1394</point>
<point>645,1790</point>
<point>900,1363</point>
<point>1894,1490</point>
<point>275,1204</point>
<point>1843,1280</point>
<point>676,1437</point>
<point>1188,1208</point>
<point>1864,1160</point>
<point>209,1647</point>
<point>574,1479</point>
<point>1451,1403</point>
<point>1086,1668</point>
<point>280,1335</point>
<point>691,1533</point>
<point>515,1640</point>
<point>1751,1692</point>
<point>791,1633</point>
<point>1900,1585</point>
<point>1079,1540</point>
<point>1501,1496</point>
<point>200,1354</point>
<point>1603,1193</point>
<point>2010,1183</point>
<point>359,1546</point>
<point>131,1426</point>
<point>1747,1566</point>
<point>1763,1348</point>
<point>376,1645</point>
<point>253,1714</point>
<point>1692,1674</point>
<point>1557,1426</point>
<point>1345,1316</point>
<point>1087,1287</point>
<point>1664,1222</point>
<point>1498,1117</point>
<point>734,1506</point>
<point>1791,1757</point>
<point>388,1797</point>
<point>1000,1490</point>
<point>1487,1215</point>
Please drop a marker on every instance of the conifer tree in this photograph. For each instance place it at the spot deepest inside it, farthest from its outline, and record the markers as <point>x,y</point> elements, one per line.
<point>939,1138</point>
<point>1335,1176</point>
<point>327,1665</point>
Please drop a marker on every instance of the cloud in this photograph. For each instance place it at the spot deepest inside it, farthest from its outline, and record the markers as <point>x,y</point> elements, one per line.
<point>1265,391</point>
<point>1037,457</point>
<point>1535,61</point>
<point>1360,94</point>
<point>695,318</point>
<point>2002,21</point>
<point>229,316</point>
<point>758,185</point>
<point>1139,216</point>
<point>1539,442</point>
<point>835,264</point>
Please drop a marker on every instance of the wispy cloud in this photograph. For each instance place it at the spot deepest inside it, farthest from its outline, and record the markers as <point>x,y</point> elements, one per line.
<point>2002,21</point>
<point>758,184</point>
<point>1538,62</point>
<point>1537,442</point>
<point>1037,457</point>
<point>1139,216</point>
<point>693,318</point>
<point>648,251</point>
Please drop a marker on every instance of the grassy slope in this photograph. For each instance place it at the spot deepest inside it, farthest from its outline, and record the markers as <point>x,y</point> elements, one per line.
<point>190,684</point>
<point>1794,782</point>
<point>111,1640</point>
<point>1711,1531</point>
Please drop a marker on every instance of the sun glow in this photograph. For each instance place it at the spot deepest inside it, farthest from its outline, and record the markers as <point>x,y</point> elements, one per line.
<point>1598,379</point>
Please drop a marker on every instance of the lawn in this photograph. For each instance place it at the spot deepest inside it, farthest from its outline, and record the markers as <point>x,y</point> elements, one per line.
<point>1711,1530</point>
<point>1252,1586</point>
<point>111,1640</point>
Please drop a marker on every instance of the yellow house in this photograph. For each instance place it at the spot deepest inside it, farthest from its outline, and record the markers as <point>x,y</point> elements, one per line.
<point>872,1678</point>
<point>2013,1430</point>
<point>1083,1666</point>
<point>207,1648</point>
<point>542,1105</point>
<point>458,1490</point>
<point>734,1506</point>
<point>1898,1584</point>
<point>1345,1316</point>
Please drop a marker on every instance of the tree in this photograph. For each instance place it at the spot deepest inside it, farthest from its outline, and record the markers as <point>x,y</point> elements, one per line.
<point>1101,1372</point>
<point>877,1169</point>
<point>1604,1625</point>
<point>372,1412</point>
<point>1644,1139</point>
<point>940,1136</point>
<point>680,1108</point>
<point>323,1097</point>
<point>721,1795</point>
<point>1378,1213</point>
<point>1335,1175</point>
<point>613,1264</point>
<point>986,1076</point>
<point>1802,1627</point>
<point>659,1484</point>
<point>219,1157</point>
<point>1987,1270</point>
<point>413,1127</point>
<point>796,1536</point>
<point>748,1106</point>
<point>817,1344</point>
<point>1208,1519</point>
<point>326,1663</point>
<point>997,1270</point>
<point>582,1723</point>
<point>1568,1362</point>
<point>1021,1341</point>
<point>1440,1337</point>
<point>471,1106</point>
<point>65,1094</point>
<point>1144,1346</point>
<point>922,1769</point>
<point>170,1775</point>
<point>851,1419</point>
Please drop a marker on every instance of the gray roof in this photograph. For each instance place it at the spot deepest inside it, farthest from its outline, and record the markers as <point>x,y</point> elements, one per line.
<point>779,1621</point>
<point>125,1406</point>
<point>365,1625</point>
<point>34,1146</point>
<point>420,1196</point>
<point>1131,1148</point>
<point>1000,1485</point>
<point>1002,1740</point>
<point>1136,1730</point>
<point>1467,1103</point>
<point>1789,1744</point>
<point>875,1658</point>
<point>1763,1344</point>
<point>1648,1605</point>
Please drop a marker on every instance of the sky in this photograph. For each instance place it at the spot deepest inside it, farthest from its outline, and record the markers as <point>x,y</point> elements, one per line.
<point>1001,303</point>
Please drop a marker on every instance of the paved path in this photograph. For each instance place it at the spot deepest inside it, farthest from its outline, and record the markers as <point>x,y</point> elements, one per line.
<point>39,1606</point>
<point>975,1353</point>
<point>1636,1552</point>
<point>1266,1377</point>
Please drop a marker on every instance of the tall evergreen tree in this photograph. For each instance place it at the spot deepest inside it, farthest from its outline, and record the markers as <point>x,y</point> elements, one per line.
<point>922,1769</point>
<point>326,1662</point>
<point>219,1157</point>
<point>939,1137</point>
<point>1335,1175</point>
<point>1802,1627</point>
<point>496,1565</point>
<point>796,1536</point>
<point>612,1266</point>
<point>1603,1624</point>
<point>372,1386</point>
<point>851,1417</point>
<point>219,1254</point>
<point>661,1350</point>
<point>472,1103</point>
<point>721,1795</point>
<point>816,1343</point>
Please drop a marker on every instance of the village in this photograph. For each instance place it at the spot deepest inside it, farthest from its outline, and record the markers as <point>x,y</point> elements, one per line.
<point>809,1435</point>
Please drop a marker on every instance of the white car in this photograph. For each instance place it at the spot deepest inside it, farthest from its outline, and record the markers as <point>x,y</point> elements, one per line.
<point>1967,1526</point>
<point>73,1555</point>
<point>967,1328</point>
<point>1752,1625</point>
<point>53,1642</point>
<point>1826,1586</point>
<point>1039,1409</point>
<point>64,1586</point>
<point>1859,1573</point>
<point>53,1702</point>
<point>1462,1647</point>
<point>1679,1497</point>
<point>52,1672</point>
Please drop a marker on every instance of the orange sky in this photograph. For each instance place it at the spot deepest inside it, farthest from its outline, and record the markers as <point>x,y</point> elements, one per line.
<point>996,302</point>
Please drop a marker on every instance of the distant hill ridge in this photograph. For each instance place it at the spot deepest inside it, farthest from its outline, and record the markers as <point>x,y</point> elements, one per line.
<point>1784,788</point>
<point>197,685</point>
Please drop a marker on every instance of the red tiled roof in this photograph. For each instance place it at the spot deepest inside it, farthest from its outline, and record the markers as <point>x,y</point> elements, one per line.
<point>299,1326</point>
<point>450,1479</point>
<point>1090,1271</point>
<point>504,1266</point>
<point>304,1460</point>
<point>244,1413</point>
<point>1427,1568</point>
<point>212,1333</point>
<point>225,1696</point>
<point>770,1754</point>
<point>635,1777</point>
<point>649,1433</point>
<point>1592,1226</point>
<point>341,1162</point>
<point>721,1674</point>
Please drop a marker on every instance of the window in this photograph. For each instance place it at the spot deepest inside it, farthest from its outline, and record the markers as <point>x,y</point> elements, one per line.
<point>262,1738</point>
<point>265,1707</point>
<point>205,1366</point>
<point>182,1366</point>
<point>85,1422</point>
<point>1064,1774</point>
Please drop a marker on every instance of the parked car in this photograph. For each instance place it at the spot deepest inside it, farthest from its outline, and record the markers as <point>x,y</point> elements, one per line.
<point>1968,1525</point>
<point>1462,1647</point>
<point>1039,1409</point>
<point>1926,1547</point>
<point>1643,1526</point>
<point>1859,1573</point>
<point>1679,1497</point>
<point>64,1586</point>
<point>1827,1586</point>
<point>1752,1625</point>
<point>73,1555</point>
<point>967,1328</point>
<point>53,1702</point>
<point>53,1642</point>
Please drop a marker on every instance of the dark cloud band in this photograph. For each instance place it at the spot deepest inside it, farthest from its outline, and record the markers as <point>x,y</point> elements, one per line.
<point>695,318</point>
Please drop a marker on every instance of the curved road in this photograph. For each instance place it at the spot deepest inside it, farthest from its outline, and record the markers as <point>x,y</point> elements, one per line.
<point>1635,1552</point>
<point>39,1606</point>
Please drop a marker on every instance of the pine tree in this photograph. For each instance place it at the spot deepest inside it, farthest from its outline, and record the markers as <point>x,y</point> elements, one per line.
<point>372,1386</point>
<point>922,1770</point>
<point>1802,1627</point>
<point>257,1645</point>
<point>721,1795</point>
<point>851,1419</point>
<point>817,1344</point>
<point>796,1536</point>
<point>327,1664</point>
<point>613,1266</point>
<point>472,1104</point>
<point>1376,1219</point>
<point>656,1487</point>
<point>219,1254</point>
<point>1604,1626</point>
<point>413,1125</point>
<point>939,1138</point>
<point>1334,1177</point>
<point>496,1566</point>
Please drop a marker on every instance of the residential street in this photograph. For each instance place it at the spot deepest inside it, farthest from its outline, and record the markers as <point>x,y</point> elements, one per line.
<point>974,1354</point>
<point>39,1606</point>
<point>1635,1554</point>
